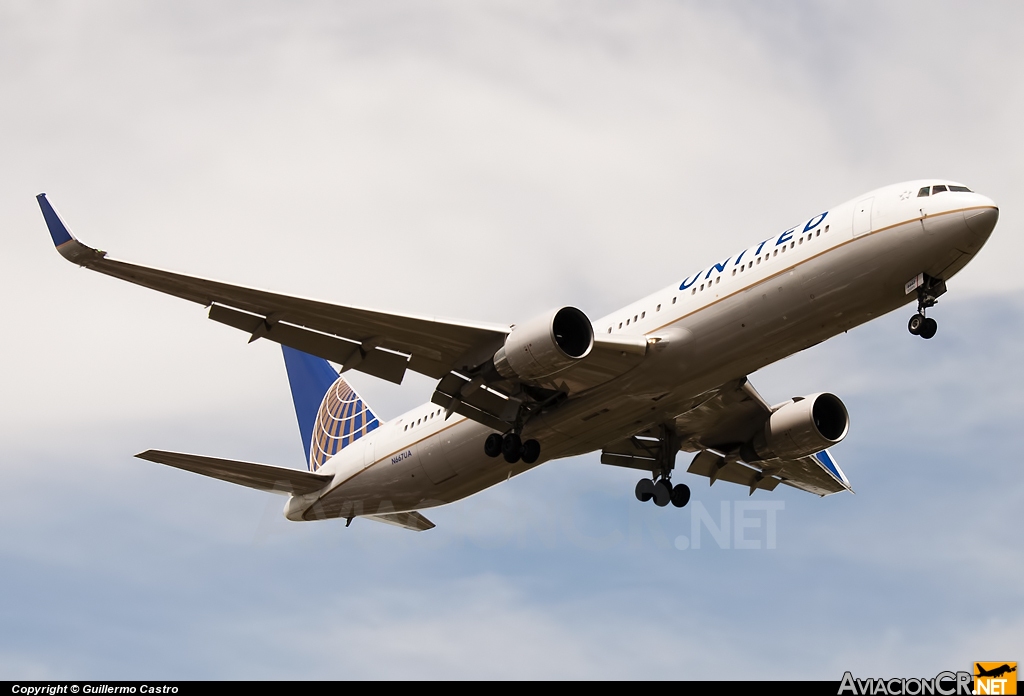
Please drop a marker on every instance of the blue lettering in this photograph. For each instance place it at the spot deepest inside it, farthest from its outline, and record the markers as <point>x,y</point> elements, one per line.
<point>720,267</point>
<point>761,246</point>
<point>687,283</point>
<point>740,258</point>
<point>814,222</point>
<point>785,236</point>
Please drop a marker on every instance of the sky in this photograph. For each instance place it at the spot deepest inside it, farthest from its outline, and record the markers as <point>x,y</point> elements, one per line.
<point>488,161</point>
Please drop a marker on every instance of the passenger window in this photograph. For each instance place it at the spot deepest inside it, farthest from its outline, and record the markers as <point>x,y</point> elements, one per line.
<point>620,324</point>
<point>923,192</point>
<point>776,253</point>
<point>818,234</point>
<point>643,314</point>
<point>658,308</point>
<point>801,240</point>
<point>609,329</point>
<point>734,271</point>
<point>718,279</point>
<point>627,322</point>
<point>694,291</point>
<point>673,300</point>
<point>759,260</point>
<point>826,229</point>
<point>938,189</point>
<point>634,318</point>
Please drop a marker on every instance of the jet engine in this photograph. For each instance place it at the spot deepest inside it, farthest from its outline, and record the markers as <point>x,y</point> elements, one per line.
<point>545,345</point>
<point>803,426</point>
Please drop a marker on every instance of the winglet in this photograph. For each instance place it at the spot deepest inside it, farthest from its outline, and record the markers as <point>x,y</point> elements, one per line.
<point>828,462</point>
<point>69,247</point>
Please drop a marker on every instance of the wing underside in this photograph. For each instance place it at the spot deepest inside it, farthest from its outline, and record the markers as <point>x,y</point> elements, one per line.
<point>715,425</point>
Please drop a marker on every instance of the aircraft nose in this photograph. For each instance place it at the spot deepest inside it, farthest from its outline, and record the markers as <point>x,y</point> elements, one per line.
<point>982,220</point>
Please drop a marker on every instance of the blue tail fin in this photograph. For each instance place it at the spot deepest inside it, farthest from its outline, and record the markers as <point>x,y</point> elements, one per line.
<point>331,415</point>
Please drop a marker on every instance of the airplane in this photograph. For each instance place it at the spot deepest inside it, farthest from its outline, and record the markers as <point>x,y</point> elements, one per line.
<point>665,374</point>
<point>996,672</point>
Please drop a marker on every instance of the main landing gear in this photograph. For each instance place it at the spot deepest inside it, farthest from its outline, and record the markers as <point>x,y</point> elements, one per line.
<point>663,492</point>
<point>928,291</point>
<point>663,449</point>
<point>512,448</point>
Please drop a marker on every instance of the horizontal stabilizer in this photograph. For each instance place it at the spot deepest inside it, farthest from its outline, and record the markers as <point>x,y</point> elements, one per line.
<point>407,520</point>
<point>265,477</point>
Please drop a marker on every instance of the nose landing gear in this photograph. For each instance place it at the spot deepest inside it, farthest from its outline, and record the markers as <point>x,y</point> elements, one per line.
<point>928,291</point>
<point>922,326</point>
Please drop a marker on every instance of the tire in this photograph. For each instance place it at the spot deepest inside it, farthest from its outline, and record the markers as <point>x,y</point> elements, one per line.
<point>915,324</point>
<point>512,448</point>
<point>680,495</point>
<point>644,490</point>
<point>492,445</point>
<point>662,494</point>
<point>929,328</point>
<point>531,451</point>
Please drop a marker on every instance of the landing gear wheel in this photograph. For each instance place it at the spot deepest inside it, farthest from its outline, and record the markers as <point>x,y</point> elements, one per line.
<point>929,328</point>
<point>916,324</point>
<point>512,448</point>
<point>680,495</point>
<point>662,493</point>
<point>644,490</point>
<point>492,445</point>
<point>531,451</point>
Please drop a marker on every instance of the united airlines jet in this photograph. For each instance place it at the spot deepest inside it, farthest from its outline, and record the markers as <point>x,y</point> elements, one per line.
<point>665,374</point>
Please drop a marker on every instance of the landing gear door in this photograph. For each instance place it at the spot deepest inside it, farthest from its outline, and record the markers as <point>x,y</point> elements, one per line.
<point>862,216</point>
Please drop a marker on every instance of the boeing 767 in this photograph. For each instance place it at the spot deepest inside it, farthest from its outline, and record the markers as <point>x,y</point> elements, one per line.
<point>665,374</point>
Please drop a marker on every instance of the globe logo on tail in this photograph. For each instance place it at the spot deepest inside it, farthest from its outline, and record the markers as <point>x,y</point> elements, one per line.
<point>342,419</point>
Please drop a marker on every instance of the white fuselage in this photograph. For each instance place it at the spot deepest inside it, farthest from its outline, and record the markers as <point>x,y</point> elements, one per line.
<point>786,293</point>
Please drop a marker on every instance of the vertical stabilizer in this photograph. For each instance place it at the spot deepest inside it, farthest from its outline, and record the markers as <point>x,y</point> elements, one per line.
<point>331,414</point>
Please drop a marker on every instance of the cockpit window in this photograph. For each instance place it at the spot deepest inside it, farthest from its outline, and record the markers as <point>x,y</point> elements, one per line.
<point>924,191</point>
<point>938,189</point>
<point>960,189</point>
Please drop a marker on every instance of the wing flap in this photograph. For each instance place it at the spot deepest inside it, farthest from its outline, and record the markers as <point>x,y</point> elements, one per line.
<point>351,355</point>
<point>265,477</point>
<point>718,468</point>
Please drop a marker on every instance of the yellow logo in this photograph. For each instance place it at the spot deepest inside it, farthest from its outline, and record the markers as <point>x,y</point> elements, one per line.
<point>995,678</point>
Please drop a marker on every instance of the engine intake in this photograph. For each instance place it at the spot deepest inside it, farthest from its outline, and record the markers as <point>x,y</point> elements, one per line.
<point>545,345</point>
<point>803,426</point>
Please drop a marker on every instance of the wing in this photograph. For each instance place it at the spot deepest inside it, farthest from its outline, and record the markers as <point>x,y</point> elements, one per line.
<point>379,343</point>
<point>277,479</point>
<point>715,425</point>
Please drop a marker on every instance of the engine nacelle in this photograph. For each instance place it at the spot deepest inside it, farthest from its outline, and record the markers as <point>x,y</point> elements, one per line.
<point>803,426</point>
<point>546,345</point>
